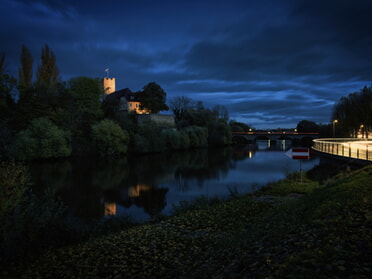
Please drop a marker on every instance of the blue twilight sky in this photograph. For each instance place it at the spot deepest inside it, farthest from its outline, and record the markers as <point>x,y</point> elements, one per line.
<point>272,63</point>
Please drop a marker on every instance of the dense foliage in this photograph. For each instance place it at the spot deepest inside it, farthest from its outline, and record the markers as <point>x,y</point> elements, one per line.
<point>153,98</point>
<point>286,230</point>
<point>49,118</point>
<point>109,138</point>
<point>42,139</point>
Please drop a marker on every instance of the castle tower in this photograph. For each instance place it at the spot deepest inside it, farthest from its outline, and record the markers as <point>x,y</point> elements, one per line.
<point>108,85</point>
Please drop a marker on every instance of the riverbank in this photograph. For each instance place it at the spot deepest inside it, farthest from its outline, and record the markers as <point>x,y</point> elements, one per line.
<point>288,229</point>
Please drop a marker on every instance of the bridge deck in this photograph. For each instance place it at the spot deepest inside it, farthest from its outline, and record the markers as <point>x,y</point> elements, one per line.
<point>253,136</point>
<point>360,149</point>
<point>275,133</point>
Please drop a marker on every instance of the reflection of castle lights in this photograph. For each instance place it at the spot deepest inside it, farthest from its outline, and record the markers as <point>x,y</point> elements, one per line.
<point>109,208</point>
<point>135,191</point>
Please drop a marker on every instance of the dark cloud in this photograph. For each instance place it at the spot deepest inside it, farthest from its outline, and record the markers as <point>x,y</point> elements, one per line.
<point>271,63</point>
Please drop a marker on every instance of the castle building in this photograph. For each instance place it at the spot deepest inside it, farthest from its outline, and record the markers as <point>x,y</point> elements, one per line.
<point>128,101</point>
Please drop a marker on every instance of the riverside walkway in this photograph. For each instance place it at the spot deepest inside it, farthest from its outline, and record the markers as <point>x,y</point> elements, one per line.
<point>345,148</point>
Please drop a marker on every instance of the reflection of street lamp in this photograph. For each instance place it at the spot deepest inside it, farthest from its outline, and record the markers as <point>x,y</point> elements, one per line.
<point>334,122</point>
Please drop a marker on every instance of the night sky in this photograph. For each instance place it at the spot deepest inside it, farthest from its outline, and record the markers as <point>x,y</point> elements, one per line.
<point>271,63</point>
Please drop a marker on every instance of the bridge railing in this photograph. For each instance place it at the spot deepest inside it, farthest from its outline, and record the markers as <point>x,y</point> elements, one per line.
<point>345,147</point>
<point>274,133</point>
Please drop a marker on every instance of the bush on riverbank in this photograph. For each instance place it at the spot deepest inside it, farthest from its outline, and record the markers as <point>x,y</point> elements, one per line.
<point>42,139</point>
<point>303,230</point>
<point>110,139</point>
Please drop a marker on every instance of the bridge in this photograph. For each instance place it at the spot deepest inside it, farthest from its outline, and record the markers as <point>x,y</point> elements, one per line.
<point>272,136</point>
<point>357,150</point>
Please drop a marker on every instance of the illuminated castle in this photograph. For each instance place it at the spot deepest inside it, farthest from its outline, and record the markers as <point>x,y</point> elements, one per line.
<point>128,101</point>
<point>109,85</point>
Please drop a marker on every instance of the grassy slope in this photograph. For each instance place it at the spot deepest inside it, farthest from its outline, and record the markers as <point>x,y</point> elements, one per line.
<point>286,230</point>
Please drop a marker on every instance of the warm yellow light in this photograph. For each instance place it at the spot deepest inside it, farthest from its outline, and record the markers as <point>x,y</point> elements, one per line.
<point>109,208</point>
<point>335,121</point>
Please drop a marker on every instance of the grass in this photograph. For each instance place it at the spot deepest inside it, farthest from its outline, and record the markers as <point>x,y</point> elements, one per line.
<point>285,230</point>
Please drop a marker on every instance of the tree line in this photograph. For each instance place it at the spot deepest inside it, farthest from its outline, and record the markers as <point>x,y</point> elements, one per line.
<point>351,115</point>
<point>42,116</point>
<point>354,113</point>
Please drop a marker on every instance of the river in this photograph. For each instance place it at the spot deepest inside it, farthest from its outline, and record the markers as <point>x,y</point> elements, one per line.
<point>147,185</point>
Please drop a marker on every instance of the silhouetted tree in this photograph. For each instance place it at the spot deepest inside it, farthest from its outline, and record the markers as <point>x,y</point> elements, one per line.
<point>2,63</point>
<point>48,72</point>
<point>180,106</point>
<point>354,112</point>
<point>7,90</point>
<point>86,108</point>
<point>153,98</point>
<point>221,112</point>
<point>238,126</point>
<point>25,70</point>
<point>306,126</point>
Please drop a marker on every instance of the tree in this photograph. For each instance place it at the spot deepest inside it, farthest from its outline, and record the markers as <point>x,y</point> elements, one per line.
<point>2,63</point>
<point>153,98</point>
<point>305,126</point>
<point>7,89</point>
<point>180,106</point>
<point>110,138</point>
<point>353,112</point>
<point>86,94</point>
<point>48,72</point>
<point>42,139</point>
<point>221,112</point>
<point>25,70</point>
<point>236,126</point>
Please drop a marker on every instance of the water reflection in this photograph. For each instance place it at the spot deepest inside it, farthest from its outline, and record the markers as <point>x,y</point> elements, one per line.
<point>151,198</point>
<point>144,186</point>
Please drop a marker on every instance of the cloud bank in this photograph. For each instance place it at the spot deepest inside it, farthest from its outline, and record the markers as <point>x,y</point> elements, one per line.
<point>271,63</point>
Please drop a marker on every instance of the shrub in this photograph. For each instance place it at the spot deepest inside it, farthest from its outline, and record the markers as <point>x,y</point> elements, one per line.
<point>110,138</point>
<point>42,139</point>
<point>220,134</point>
<point>184,140</point>
<point>149,138</point>
<point>198,136</point>
<point>172,139</point>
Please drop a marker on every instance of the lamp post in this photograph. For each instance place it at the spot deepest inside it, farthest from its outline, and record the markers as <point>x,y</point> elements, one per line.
<point>334,123</point>
<point>361,130</point>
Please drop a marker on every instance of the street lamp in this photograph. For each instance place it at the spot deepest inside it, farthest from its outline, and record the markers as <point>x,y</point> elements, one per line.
<point>334,123</point>
<point>361,130</point>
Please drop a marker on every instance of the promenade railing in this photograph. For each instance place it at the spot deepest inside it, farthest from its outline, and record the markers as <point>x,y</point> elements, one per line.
<point>346,147</point>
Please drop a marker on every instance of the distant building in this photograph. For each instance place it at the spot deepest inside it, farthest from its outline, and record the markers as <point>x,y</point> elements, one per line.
<point>128,101</point>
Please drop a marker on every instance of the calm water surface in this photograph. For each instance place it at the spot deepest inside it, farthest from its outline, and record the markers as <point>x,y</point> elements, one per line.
<point>147,185</point>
